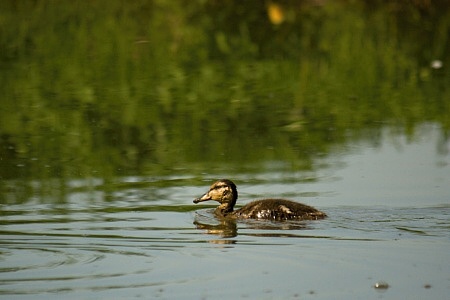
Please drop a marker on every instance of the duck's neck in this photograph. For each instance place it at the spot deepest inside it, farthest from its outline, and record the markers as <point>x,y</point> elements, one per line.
<point>224,209</point>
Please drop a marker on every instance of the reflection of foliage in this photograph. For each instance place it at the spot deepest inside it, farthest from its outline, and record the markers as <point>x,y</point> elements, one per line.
<point>101,88</point>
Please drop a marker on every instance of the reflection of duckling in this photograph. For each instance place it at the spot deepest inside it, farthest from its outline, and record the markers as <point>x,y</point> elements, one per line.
<point>226,228</point>
<point>224,191</point>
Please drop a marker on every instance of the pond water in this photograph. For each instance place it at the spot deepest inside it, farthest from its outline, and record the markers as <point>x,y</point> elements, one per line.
<point>388,223</point>
<point>115,115</point>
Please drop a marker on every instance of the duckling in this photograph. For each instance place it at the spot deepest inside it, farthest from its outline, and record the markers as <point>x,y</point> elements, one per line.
<point>224,191</point>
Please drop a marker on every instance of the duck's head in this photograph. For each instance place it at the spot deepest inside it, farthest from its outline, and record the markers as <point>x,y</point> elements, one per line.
<point>223,191</point>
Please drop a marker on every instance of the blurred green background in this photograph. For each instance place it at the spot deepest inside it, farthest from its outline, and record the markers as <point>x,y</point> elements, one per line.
<point>111,88</point>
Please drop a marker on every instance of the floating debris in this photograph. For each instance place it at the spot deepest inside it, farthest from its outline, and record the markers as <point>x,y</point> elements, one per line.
<point>381,286</point>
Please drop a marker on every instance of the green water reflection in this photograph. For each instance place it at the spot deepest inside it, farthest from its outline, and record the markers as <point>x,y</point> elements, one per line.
<point>100,88</point>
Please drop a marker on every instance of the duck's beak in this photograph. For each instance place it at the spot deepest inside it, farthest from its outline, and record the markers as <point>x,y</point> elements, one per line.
<point>205,197</point>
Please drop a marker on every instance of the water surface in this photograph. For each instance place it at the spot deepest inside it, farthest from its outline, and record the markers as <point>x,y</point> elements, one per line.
<point>143,240</point>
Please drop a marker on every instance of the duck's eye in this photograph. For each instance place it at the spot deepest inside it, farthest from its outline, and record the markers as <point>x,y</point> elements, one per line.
<point>226,192</point>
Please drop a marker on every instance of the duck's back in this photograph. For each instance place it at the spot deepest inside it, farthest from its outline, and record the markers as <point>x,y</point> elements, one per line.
<point>278,209</point>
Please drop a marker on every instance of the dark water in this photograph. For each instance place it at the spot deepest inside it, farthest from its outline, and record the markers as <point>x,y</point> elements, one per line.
<point>115,115</point>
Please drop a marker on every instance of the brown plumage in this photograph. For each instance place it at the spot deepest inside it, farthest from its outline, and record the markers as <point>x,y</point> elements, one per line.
<point>224,191</point>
